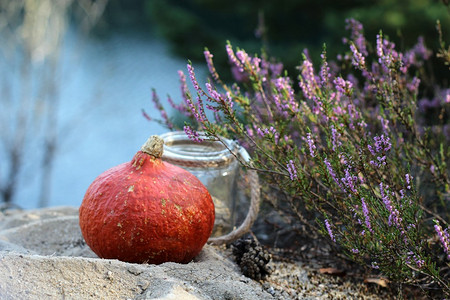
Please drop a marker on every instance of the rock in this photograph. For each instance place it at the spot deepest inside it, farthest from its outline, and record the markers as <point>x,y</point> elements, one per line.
<point>43,256</point>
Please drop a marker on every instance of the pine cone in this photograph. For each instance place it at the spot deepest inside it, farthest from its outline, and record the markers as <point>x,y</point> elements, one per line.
<point>252,258</point>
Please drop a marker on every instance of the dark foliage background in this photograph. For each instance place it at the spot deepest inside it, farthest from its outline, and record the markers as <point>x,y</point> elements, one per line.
<point>285,27</point>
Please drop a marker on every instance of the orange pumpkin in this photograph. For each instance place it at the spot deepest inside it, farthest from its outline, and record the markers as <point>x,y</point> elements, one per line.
<point>147,210</point>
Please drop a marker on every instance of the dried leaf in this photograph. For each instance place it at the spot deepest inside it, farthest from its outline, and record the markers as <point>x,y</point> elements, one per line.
<point>332,271</point>
<point>380,281</point>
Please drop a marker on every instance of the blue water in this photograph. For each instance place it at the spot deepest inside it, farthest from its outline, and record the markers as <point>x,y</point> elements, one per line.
<point>104,85</point>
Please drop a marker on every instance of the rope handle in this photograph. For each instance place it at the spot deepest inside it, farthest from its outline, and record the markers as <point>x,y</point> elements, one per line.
<point>253,211</point>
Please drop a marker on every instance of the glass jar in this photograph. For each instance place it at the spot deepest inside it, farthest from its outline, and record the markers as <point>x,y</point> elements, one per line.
<point>213,164</point>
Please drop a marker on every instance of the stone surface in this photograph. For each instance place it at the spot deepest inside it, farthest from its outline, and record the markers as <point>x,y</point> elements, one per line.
<point>43,256</point>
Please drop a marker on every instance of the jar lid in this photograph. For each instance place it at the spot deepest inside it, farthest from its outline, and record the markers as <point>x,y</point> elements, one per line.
<point>182,151</point>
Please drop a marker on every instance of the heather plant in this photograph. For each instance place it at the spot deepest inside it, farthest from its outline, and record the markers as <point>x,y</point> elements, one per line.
<point>354,147</point>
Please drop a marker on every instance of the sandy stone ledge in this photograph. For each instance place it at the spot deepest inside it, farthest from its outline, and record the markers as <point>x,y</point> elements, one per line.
<point>43,256</point>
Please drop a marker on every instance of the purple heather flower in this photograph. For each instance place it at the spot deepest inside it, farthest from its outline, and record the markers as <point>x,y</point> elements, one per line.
<point>349,181</point>
<point>245,60</point>
<point>179,107</point>
<point>419,262</point>
<point>384,124</point>
<point>411,226</point>
<point>193,78</point>
<point>343,159</point>
<point>256,65</point>
<point>357,34</point>
<point>338,109</point>
<point>426,104</point>
<point>382,145</point>
<point>217,117</point>
<point>380,45</point>
<point>219,98</point>
<point>282,108</point>
<point>183,87</point>
<point>433,169</point>
<point>283,84</point>
<point>354,115</point>
<point>193,109</point>
<point>308,82</point>
<point>421,50</point>
<point>189,107</point>
<point>354,82</point>
<point>385,197</point>
<point>395,219</point>
<point>342,86</point>
<point>375,265</point>
<point>385,52</point>
<point>259,132</point>
<point>311,145</point>
<point>317,105</point>
<point>192,134</point>
<point>413,86</point>
<point>292,170</point>
<point>213,93</point>
<point>408,59</point>
<point>380,161</point>
<point>443,237</point>
<point>276,69</point>
<point>229,100</point>
<point>209,62</point>
<point>335,135</point>
<point>383,190</point>
<point>362,124</point>
<point>408,181</point>
<point>271,69</point>
<point>276,137</point>
<point>214,109</point>
<point>267,131</point>
<point>200,116</point>
<point>233,59</point>
<point>366,214</point>
<point>394,214</point>
<point>242,56</point>
<point>355,250</point>
<point>249,131</point>
<point>146,116</point>
<point>166,119</point>
<point>324,72</point>
<point>331,172</point>
<point>239,76</point>
<point>159,107</point>
<point>358,59</point>
<point>330,232</point>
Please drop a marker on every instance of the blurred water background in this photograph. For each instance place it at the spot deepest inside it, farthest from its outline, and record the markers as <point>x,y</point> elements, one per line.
<point>103,84</point>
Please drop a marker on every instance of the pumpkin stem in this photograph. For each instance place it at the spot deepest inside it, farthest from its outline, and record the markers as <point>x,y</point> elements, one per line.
<point>153,146</point>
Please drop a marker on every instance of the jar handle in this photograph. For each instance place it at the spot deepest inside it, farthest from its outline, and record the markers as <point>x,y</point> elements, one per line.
<point>253,211</point>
